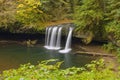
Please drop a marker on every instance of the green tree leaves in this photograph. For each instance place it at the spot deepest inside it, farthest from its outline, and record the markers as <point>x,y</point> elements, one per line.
<point>56,9</point>
<point>94,71</point>
<point>7,12</point>
<point>113,21</point>
<point>29,12</point>
<point>99,17</point>
<point>35,14</point>
<point>89,17</point>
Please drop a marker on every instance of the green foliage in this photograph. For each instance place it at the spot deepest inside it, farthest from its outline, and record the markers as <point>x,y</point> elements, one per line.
<point>113,28</point>
<point>45,71</point>
<point>94,16</point>
<point>101,17</point>
<point>7,12</point>
<point>56,9</point>
<point>29,13</point>
<point>89,16</point>
<point>118,55</point>
<point>26,15</point>
<point>38,13</point>
<point>113,19</point>
<point>109,47</point>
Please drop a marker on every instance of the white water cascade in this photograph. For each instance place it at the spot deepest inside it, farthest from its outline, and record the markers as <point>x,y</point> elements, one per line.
<point>47,37</point>
<point>58,46</point>
<point>68,42</point>
<point>53,39</point>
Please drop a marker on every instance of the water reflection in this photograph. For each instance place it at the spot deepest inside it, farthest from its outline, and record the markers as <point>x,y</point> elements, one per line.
<point>11,56</point>
<point>67,60</point>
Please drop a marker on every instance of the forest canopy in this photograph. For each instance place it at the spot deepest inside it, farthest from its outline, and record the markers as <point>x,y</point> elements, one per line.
<point>98,18</point>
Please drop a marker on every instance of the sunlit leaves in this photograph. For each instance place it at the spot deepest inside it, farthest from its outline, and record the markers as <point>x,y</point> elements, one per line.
<point>94,71</point>
<point>113,20</point>
<point>29,12</point>
<point>7,12</point>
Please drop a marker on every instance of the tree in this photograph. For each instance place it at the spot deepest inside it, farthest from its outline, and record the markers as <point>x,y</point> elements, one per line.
<point>29,12</point>
<point>89,18</point>
<point>7,12</point>
<point>56,9</point>
<point>112,20</point>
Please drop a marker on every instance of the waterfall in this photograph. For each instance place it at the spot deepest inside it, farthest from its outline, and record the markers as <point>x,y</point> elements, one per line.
<point>59,38</point>
<point>47,36</point>
<point>53,39</point>
<point>68,42</point>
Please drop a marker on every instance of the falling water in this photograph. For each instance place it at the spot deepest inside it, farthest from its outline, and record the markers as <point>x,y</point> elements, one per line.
<point>68,42</point>
<point>53,39</point>
<point>46,35</point>
<point>58,38</point>
<point>48,32</point>
<point>53,35</point>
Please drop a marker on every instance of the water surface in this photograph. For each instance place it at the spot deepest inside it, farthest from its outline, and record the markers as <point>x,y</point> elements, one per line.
<point>12,55</point>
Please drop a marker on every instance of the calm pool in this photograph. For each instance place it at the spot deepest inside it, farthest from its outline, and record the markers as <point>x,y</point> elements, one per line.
<point>12,55</point>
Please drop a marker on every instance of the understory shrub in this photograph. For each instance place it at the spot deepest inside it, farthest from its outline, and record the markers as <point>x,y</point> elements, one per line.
<point>46,71</point>
<point>109,47</point>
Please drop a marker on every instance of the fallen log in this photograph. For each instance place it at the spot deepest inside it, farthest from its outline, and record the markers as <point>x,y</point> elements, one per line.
<point>93,54</point>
